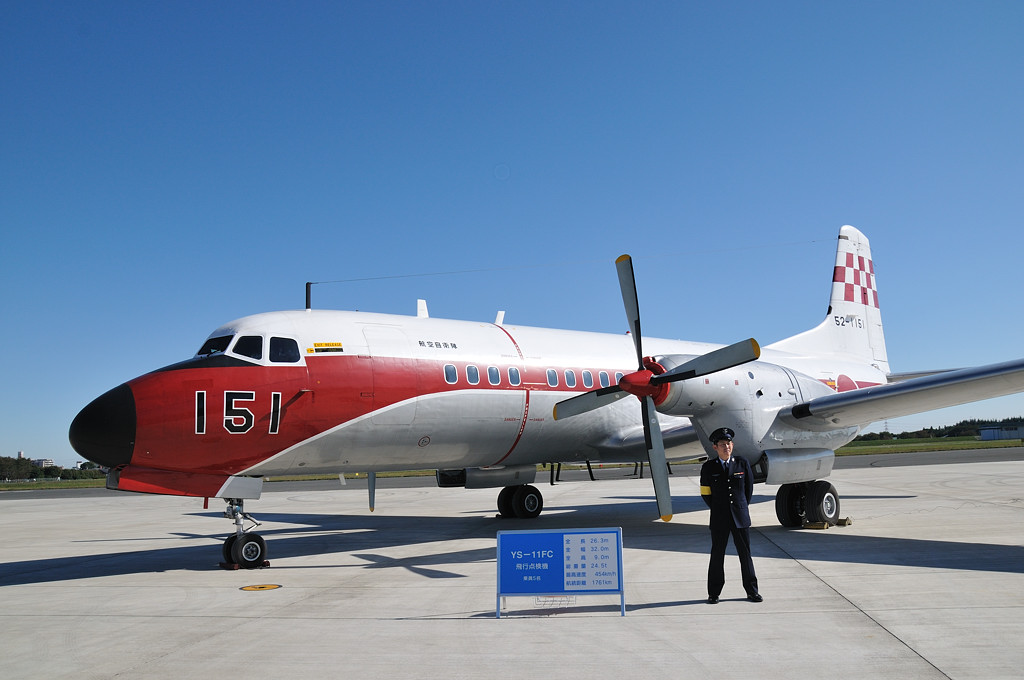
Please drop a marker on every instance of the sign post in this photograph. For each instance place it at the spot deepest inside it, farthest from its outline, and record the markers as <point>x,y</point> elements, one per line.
<point>556,562</point>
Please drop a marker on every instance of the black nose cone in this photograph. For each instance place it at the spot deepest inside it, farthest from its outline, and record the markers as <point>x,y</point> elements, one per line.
<point>104,431</point>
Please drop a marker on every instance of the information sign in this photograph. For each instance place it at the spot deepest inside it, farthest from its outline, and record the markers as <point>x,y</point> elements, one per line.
<point>560,562</point>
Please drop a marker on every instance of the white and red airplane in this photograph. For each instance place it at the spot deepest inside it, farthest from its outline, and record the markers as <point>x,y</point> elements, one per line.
<point>316,391</point>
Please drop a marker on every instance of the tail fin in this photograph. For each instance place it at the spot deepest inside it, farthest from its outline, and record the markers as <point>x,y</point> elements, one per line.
<point>852,329</point>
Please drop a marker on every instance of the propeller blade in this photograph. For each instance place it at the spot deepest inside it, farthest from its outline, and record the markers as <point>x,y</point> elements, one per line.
<point>656,456</point>
<point>712,362</point>
<point>639,384</point>
<point>627,285</point>
<point>588,401</point>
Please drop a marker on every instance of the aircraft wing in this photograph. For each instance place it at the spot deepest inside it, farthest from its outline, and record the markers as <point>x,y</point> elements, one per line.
<point>871,404</point>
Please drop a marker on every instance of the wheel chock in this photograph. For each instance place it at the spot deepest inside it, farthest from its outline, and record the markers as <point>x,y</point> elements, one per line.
<point>845,522</point>
<point>231,566</point>
<point>816,525</point>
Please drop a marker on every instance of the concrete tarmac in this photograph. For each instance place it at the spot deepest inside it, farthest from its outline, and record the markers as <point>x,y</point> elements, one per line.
<point>928,582</point>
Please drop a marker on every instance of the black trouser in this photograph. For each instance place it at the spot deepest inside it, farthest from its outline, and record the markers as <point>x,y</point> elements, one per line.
<point>716,569</point>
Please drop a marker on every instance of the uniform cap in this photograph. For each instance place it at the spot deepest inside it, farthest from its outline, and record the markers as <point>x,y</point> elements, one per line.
<point>720,434</point>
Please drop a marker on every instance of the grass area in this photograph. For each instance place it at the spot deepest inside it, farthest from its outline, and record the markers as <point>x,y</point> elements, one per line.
<point>44,483</point>
<point>915,445</point>
<point>862,448</point>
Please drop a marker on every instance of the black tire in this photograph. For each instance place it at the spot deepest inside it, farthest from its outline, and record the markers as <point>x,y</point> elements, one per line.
<point>225,550</point>
<point>822,503</point>
<point>789,502</point>
<point>527,502</point>
<point>506,507</point>
<point>249,551</point>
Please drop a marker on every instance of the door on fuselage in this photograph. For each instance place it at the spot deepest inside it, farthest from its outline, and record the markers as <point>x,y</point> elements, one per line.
<point>395,375</point>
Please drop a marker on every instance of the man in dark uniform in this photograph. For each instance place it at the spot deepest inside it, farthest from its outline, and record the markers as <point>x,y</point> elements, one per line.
<point>726,485</point>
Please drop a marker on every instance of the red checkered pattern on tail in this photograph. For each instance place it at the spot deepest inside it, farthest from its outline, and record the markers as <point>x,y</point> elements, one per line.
<point>857,276</point>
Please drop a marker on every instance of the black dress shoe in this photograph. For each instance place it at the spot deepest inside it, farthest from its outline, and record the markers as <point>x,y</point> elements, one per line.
<point>712,600</point>
<point>755,598</point>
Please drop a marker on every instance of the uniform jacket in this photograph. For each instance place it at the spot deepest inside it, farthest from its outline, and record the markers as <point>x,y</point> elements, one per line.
<point>727,493</point>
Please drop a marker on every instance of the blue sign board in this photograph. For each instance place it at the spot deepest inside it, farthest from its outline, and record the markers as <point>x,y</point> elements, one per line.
<point>560,562</point>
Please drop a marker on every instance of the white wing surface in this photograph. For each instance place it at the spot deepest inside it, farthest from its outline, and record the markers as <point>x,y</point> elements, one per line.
<point>872,404</point>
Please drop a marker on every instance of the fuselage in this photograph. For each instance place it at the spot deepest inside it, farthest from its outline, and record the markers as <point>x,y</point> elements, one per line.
<point>320,391</point>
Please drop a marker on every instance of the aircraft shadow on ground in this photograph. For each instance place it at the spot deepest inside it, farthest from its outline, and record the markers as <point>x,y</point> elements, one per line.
<point>368,537</point>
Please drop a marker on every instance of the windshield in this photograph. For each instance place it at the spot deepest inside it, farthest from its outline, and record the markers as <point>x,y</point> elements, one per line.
<point>214,346</point>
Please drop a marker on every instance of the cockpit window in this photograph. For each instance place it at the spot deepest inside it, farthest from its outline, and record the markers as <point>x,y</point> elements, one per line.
<point>250,346</point>
<point>284,350</point>
<point>214,345</point>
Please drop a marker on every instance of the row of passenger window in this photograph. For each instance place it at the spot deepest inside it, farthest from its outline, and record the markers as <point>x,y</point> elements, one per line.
<point>451,376</point>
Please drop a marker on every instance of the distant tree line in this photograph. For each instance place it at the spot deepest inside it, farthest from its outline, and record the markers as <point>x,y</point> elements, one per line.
<point>965,428</point>
<point>23,468</point>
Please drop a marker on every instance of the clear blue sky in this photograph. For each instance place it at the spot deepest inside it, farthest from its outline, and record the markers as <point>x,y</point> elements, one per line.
<point>168,167</point>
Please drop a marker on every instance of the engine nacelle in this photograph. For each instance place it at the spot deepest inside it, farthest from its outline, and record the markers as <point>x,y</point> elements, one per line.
<point>754,400</point>
<point>487,478</point>
<point>791,466</point>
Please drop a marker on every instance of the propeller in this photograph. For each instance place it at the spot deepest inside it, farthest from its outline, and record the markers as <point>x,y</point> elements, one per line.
<point>645,384</point>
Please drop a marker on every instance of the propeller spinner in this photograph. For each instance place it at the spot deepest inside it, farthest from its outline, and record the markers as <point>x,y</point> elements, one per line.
<point>645,384</point>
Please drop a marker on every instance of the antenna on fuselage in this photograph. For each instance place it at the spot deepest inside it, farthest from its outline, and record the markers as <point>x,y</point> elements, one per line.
<point>309,295</point>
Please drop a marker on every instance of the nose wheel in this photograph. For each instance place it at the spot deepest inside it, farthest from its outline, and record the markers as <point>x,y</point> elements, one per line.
<point>242,549</point>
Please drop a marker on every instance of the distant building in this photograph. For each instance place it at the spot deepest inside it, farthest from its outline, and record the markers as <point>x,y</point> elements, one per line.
<point>996,432</point>
<point>43,462</point>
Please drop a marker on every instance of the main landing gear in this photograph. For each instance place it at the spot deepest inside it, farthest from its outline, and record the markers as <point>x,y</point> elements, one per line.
<point>243,549</point>
<point>807,503</point>
<point>522,501</point>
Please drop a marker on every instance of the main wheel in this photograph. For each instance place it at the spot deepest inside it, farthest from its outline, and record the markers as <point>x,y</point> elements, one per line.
<point>527,502</point>
<point>789,504</point>
<point>249,551</point>
<point>822,503</point>
<point>505,505</point>
<point>225,550</point>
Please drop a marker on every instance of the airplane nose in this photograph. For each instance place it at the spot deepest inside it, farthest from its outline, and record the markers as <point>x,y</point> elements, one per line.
<point>104,431</point>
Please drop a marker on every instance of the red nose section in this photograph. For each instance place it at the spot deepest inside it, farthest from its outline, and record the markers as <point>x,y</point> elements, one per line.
<point>104,431</point>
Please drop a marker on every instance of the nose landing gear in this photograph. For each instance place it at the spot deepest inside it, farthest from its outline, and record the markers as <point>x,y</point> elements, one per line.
<point>243,549</point>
